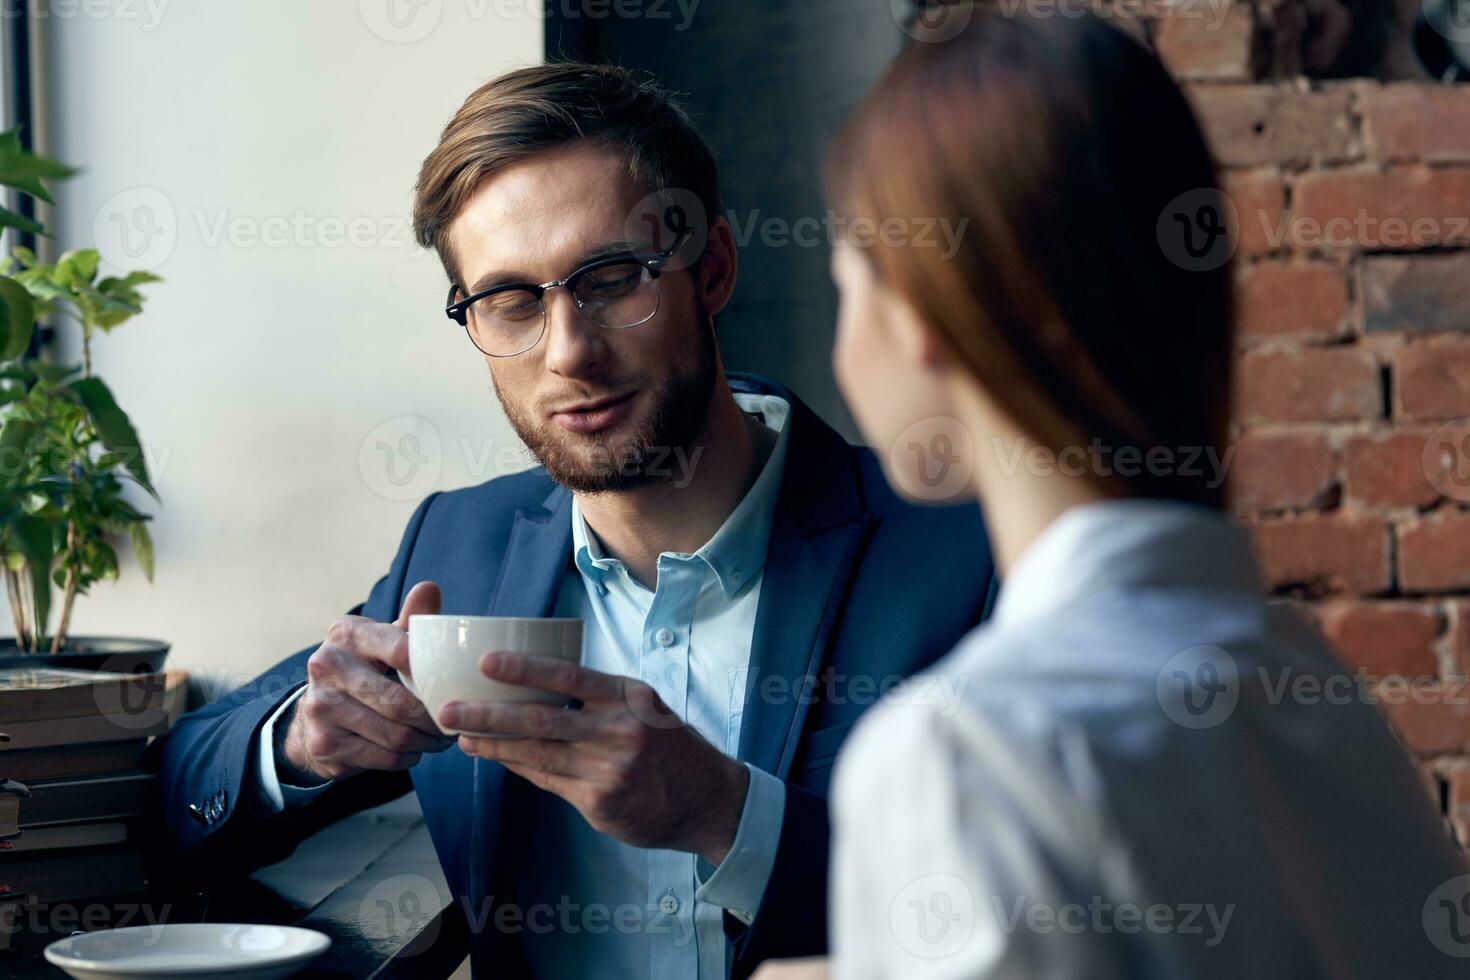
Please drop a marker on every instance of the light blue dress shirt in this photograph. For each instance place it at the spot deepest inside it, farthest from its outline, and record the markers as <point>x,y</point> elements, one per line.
<point>623,911</point>
<point>592,906</point>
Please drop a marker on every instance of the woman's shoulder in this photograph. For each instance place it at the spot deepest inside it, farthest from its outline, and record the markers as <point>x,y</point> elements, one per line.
<point>1117,682</point>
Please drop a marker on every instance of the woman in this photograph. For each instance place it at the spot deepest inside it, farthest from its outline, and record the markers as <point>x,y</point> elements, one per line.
<point>1137,783</point>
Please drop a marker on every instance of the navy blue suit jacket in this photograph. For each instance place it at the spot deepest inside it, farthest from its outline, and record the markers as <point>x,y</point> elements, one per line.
<point>858,585</point>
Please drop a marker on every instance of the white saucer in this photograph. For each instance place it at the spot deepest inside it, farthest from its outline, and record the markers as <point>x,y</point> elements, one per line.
<point>182,950</point>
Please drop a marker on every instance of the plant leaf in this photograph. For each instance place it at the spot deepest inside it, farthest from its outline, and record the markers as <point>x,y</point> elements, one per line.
<point>35,543</point>
<point>56,373</point>
<point>37,280</point>
<point>17,319</point>
<point>24,171</point>
<point>18,372</point>
<point>84,262</point>
<point>16,435</point>
<point>75,269</point>
<point>138,277</point>
<point>14,219</point>
<point>113,427</point>
<point>101,561</point>
<point>142,546</point>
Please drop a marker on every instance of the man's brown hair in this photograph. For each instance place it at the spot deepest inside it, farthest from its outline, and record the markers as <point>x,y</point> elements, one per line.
<point>533,110</point>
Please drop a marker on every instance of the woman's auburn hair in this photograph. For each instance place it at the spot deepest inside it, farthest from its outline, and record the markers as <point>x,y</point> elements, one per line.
<point>1056,144</point>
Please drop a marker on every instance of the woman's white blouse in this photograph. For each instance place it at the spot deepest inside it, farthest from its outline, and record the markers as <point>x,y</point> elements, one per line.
<point>1148,772</point>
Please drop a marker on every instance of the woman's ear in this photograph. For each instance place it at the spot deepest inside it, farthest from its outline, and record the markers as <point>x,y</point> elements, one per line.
<point>912,337</point>
<point>715,277</point>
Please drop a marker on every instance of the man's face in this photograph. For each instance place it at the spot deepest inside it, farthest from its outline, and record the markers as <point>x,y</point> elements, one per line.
<point>595,405</point>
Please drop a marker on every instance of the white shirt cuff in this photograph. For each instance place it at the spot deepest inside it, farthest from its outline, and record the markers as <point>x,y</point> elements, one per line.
<point>276,795</point>
<point>739,883</point>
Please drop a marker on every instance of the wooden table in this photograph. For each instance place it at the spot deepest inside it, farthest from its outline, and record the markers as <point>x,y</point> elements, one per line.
<point>371,882</point>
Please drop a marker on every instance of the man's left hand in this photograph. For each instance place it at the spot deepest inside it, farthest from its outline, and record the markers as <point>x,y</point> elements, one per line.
<point>630,766</point>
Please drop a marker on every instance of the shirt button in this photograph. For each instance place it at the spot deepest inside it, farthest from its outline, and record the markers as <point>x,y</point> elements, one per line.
<point>668,905</point>
<point>737,576</point>
<point>665,638</point>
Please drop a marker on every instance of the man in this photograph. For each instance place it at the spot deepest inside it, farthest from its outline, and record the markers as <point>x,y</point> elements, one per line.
<point>748,581</point>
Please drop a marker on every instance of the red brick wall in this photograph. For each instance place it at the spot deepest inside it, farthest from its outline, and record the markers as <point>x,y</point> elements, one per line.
<point>1354,363</point>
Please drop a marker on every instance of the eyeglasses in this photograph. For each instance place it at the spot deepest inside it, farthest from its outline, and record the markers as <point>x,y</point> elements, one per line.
<point>616,292</point>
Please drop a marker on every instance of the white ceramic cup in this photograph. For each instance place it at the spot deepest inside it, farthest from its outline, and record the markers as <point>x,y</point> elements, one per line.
<point>444,658</point>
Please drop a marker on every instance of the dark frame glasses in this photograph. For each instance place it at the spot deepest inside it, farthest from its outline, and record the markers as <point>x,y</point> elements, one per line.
<point>654,262</point>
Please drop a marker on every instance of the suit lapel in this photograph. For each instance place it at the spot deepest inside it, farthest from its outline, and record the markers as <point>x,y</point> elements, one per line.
<point>531,573</point>
<point>800,595</point>
<point>535,558</point>
<point>818,532</point>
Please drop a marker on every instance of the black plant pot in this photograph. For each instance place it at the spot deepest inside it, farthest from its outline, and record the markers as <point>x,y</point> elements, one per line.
<point>114,653</point>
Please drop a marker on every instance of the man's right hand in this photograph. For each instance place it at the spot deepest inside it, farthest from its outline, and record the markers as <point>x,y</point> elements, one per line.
<point>353,716</point>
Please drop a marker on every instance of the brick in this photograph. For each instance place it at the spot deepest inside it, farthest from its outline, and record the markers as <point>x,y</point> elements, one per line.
<point>1459,645</point>
<point>1419,121</point>
<point>1440,725</point>
<point>1388,470</point>
<point>1418,293</point>
<point>1193,44</point>
<point>1260,210</point>
<point>1273,471</point>
<point>1432,380</point>
<point>1385,638</point>
<point>1434,553</point>
<point>1402,210</point>
<point>1306,299</point>
<point>1327,384</point>
<point>1253,125</point>
<point>1305,611</point>
<point>1324,554</point>
<point>1445,459</point>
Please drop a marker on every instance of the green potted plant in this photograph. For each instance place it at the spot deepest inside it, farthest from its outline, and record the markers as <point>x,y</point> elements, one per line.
<point>67,450</point>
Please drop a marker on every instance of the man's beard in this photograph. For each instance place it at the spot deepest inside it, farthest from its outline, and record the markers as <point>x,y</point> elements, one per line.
<point>680,411</point>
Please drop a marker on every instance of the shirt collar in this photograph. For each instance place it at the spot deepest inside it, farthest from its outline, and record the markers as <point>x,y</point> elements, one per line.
<point>1132,543</point>
<point>737,551</point>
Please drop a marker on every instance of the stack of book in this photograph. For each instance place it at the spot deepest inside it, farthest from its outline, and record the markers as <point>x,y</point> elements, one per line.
<point>71,786</point>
